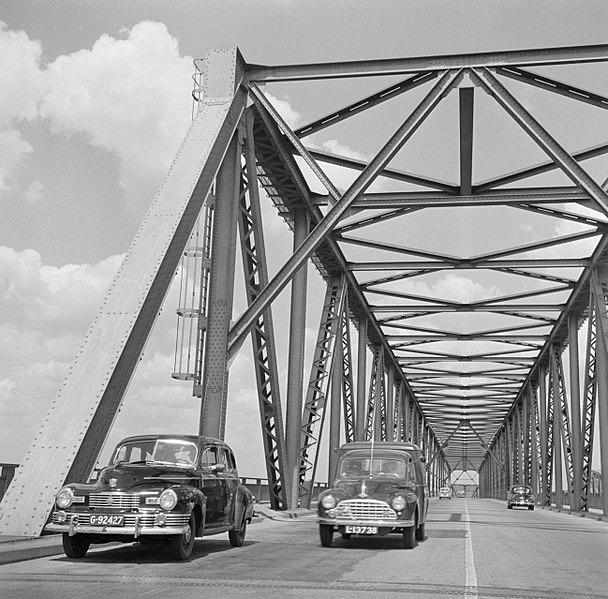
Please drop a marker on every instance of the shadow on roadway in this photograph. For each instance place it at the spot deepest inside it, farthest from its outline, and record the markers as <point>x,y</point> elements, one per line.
<point>149,553</point>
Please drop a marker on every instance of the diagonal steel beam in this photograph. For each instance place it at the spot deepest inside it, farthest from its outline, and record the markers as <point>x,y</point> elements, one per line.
<point>247,320</point>
<point>553,149</point>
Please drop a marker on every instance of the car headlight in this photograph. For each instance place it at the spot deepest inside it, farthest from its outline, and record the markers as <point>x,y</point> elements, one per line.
<point>398,503</point>
<point>64,498</point>
<point>328,502</point>
<point>168,499</point>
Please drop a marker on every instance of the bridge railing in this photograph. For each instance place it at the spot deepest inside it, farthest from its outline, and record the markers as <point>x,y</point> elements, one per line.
<point>258,486</point>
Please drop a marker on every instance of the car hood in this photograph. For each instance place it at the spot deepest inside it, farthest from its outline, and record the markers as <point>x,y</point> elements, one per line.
<point>130,477</point>
<point>369,487</point>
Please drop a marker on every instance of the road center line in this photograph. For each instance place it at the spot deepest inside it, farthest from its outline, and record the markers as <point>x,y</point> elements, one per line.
<point>470,582</point>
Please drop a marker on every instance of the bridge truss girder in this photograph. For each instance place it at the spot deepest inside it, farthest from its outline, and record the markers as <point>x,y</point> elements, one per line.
<point>425,378</point>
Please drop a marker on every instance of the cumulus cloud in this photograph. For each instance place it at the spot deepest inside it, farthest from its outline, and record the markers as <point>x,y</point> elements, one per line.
<point>129,96</point>
<point>289,114</point>
<point>22,84</point>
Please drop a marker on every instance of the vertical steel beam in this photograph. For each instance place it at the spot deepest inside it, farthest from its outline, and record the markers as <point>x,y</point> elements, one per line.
<point>546,453</point>
<point>253,252</point>
<point>295,373</point>
<point>534,443</point>
<point>390,404</point>
<point>575,402</point>
<point>223,260</point>
<point>346,376</point>
<point>600,283</point>
<point>335,415</point>
<point>361,413</point>
<point>590,398</point>
<point>77,424</point>
<point>318,385</point>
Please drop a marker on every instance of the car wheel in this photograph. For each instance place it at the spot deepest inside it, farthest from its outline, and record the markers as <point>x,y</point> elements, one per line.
<point>182,545</point>
<point>420,533</point>
<point>75,546</point>
<point>409,537</point>
<point>237,536</point>
<point>531,508</point>
<point>509,506</point>
<point>326,532</point>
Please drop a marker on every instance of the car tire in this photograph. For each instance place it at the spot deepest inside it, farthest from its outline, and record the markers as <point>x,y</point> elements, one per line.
<point>531,508</point>
<point>182,545</point>
<point>420,533</point>
<point>75,546</point>
<point>509,506</point>
<point>237,536</point>
<point>326,533</point>
<point>409,537</point>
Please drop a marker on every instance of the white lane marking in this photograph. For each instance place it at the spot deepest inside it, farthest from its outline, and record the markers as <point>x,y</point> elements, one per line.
<point>470,582</point>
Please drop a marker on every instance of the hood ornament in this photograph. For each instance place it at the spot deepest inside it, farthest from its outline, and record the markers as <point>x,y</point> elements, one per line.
<point>113,482</point>
<point>363,494</point>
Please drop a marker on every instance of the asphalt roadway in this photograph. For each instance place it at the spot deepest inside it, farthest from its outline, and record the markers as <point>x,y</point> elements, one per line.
<point>474,549</point>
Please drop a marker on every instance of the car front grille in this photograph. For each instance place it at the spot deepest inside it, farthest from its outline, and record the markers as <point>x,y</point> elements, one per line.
<point>114,500</point>
<point>368,509</point>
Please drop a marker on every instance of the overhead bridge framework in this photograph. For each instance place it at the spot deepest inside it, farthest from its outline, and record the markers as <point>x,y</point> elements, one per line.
<point>461,236</point>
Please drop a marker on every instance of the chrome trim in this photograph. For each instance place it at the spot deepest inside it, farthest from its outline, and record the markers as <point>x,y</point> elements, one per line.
<point>114,500</point>
<point>378,523</point>
<point>364,509</point>
<point>128,531</point>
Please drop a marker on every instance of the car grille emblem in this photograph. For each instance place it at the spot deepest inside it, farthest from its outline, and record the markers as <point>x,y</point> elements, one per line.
<point>110,500</point>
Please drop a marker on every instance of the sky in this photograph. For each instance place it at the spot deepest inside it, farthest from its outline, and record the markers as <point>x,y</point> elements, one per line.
<point>94,101</point>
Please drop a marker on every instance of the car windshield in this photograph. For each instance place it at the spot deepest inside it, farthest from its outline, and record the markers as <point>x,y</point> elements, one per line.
<point>524,490</point>
<point>378,467</point>
<point>174,452</point>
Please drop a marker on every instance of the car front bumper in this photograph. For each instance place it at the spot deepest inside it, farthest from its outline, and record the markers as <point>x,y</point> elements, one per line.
<point>375,523</point>
<point>73,527</point>
<point>126,531</point>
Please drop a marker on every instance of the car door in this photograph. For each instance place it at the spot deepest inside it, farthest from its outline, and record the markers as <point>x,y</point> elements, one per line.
<point>231,481</point>
<point>214,487</point>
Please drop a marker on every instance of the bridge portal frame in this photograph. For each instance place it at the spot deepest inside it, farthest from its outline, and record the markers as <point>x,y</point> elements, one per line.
<point>210,156</point>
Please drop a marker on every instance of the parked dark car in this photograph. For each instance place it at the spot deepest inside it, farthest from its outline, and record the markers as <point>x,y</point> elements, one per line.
<point>520,496</point>
<point>379,489</point>
<point>157,489</point>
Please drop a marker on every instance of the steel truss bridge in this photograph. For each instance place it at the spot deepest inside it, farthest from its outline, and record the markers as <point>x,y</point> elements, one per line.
<point>461,235</point>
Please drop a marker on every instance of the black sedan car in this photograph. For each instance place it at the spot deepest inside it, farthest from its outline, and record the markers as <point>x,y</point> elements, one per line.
<point>157,489</point>
<point>379,489</point>
<point>520,496</point>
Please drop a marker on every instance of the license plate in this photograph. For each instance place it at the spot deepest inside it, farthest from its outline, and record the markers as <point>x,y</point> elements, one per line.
<point>361,530</point>
<point>106,520</point>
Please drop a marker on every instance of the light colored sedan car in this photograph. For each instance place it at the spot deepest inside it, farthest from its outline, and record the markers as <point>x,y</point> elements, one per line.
<point>445,493</point>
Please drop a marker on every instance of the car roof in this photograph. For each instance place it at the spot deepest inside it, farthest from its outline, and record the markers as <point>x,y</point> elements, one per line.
<point>379,446</point>
<point>192,438</point>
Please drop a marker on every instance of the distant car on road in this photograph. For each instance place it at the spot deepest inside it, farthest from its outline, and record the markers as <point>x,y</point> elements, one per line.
<point>379,489</point>
<point>520,496</point>
<point>445,493</point>
<point>157,489</point>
